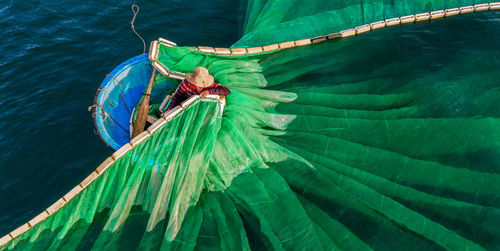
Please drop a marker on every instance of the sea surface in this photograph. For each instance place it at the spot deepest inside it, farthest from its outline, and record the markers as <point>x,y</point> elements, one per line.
<point>53,56</point>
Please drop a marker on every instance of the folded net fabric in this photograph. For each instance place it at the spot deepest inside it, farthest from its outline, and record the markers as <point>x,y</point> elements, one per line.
<point>385,140</point>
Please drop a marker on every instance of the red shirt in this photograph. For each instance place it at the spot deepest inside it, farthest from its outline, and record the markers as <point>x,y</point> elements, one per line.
<point>186,90</point>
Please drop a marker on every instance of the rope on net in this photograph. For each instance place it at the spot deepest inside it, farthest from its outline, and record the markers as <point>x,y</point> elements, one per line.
<point>135,10</point>
<point>421,17</point>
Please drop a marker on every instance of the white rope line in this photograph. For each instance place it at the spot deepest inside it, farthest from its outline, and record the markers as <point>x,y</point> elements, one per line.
<point>351,32</point>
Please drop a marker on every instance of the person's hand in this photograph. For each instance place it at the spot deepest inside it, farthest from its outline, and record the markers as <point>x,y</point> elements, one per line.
<point>204,93</point>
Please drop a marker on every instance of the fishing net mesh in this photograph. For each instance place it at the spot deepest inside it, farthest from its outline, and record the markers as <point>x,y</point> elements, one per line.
<point>373,142</point>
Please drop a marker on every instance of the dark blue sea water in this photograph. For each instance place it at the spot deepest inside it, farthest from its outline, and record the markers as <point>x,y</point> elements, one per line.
<point>53,56</point>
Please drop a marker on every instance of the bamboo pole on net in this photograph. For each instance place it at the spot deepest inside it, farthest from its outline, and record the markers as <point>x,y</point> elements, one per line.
<point>142,113</point>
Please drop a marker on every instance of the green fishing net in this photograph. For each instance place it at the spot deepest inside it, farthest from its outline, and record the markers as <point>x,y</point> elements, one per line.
<point>386,140</point>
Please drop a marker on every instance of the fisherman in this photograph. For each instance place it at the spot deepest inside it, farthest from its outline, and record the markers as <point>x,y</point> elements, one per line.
<point>200,82</point>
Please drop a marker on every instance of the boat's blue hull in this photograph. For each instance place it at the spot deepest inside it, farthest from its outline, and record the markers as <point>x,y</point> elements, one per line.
<point>117,96</point>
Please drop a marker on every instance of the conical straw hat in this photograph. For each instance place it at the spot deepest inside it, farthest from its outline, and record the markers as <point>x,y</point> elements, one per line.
<point>200,77</point>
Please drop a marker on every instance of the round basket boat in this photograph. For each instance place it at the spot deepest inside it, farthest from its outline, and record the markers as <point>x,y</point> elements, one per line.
<point>118,95</point>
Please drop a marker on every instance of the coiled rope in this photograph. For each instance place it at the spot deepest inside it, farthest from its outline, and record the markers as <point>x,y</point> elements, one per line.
<point>135,10</point>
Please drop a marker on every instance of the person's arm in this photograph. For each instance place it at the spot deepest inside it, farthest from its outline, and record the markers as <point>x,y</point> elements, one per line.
<point>177,97</point>
<point>218,89</point>
<point>174,101</point>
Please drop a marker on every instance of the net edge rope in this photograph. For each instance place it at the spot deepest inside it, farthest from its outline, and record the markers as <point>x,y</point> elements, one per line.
<point>425,16</point>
